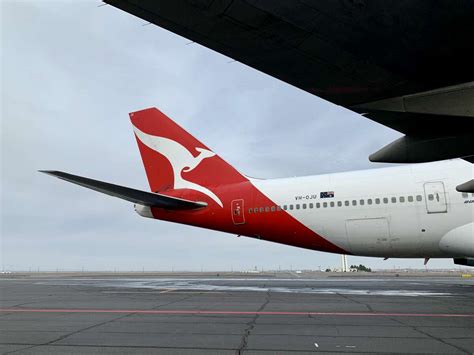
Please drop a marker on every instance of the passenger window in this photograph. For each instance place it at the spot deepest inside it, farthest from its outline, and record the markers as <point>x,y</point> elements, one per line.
<point>304,206</point>
<point>369,201</point>
<point>354,203</point>
<point>318,205</point>
<point>325,204</point>
<point>291,207</point>
<point>311,205</point>
<point>332,203</point>
<point>402,199</point>
<point>255,210</point>
<point>465,195</point>
<point>419,198</point>
<point>377,201</point>
<point>267,209</point>
<point>346,203</point>
<point>273,209</point>
<point>278,208</point>
<point>385,200</point>
<point>261,209</point>
<point>430,197</point>
<point>285,207</point>
<point>410,198</point>
<point>297,206</point>
<point>394,200</point>
<point>339,203</point>
<point>361,202</point>
<point>250,210</point>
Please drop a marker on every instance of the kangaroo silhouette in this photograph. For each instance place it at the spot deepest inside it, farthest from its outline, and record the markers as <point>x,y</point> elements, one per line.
<point>181,160</point>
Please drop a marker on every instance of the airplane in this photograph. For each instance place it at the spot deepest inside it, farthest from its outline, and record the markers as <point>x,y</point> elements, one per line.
<point>406,65</point>
<point>422,210</point>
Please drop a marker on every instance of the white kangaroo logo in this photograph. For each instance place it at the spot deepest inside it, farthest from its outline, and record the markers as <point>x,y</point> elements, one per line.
<point>181,160</point>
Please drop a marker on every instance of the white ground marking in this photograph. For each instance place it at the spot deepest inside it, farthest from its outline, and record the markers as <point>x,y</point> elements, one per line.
<point>214,285</point>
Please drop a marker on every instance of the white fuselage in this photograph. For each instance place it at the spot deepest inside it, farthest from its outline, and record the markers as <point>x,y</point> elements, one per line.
<point>402,211</point>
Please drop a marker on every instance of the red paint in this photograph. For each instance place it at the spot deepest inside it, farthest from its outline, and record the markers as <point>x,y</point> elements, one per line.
<point>230,313</point>
<point>225,182</point>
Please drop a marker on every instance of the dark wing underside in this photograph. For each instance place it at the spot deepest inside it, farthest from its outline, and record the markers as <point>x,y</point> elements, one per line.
<point>405,64</point>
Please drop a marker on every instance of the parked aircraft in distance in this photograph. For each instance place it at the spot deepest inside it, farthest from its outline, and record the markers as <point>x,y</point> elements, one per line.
<point>414,211</point>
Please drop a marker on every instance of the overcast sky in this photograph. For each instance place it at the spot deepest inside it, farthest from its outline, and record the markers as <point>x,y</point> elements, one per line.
<point>71,73</point>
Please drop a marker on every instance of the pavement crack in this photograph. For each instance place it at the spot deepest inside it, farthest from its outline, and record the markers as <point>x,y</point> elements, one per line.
<point>172,302</point>
<point>97,325</point>
<point>416,329</point>
<point>251,325</point>
<point>19,305</point>
<point>51,342</point>
<point>356,301</point>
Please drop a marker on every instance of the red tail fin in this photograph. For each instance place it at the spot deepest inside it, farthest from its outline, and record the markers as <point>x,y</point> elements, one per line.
<point>175,160</point>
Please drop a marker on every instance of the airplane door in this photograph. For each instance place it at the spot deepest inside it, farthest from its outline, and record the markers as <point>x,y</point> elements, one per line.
<point>369,236</point>
<point>435,197</point>
<point>237,209</point>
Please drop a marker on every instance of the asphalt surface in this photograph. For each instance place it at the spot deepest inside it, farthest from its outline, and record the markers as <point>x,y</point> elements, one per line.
<point>229,315</point>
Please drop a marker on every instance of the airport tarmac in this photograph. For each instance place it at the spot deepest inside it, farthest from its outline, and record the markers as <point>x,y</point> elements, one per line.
<point>232,314</point>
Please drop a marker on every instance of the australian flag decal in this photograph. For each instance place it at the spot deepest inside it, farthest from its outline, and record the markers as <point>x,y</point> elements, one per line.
<point>326,194</point>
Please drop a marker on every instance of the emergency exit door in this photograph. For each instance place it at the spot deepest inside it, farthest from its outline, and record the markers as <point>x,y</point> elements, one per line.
<point>237,210</point>
<point>435,197</point>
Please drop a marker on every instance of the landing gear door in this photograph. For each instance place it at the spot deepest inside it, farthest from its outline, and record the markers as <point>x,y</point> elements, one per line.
<point>237,210</point>
<point>435,197</point>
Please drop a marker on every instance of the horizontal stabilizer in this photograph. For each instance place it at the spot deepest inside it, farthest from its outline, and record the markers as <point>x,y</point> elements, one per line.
<point>125,193</point>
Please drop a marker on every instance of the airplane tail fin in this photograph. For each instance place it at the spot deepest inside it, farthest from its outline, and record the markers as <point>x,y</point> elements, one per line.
<point>176,161</point>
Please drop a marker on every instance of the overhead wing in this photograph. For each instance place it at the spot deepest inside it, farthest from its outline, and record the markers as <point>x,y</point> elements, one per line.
<point>405,64</point>
<point>128,194</point>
